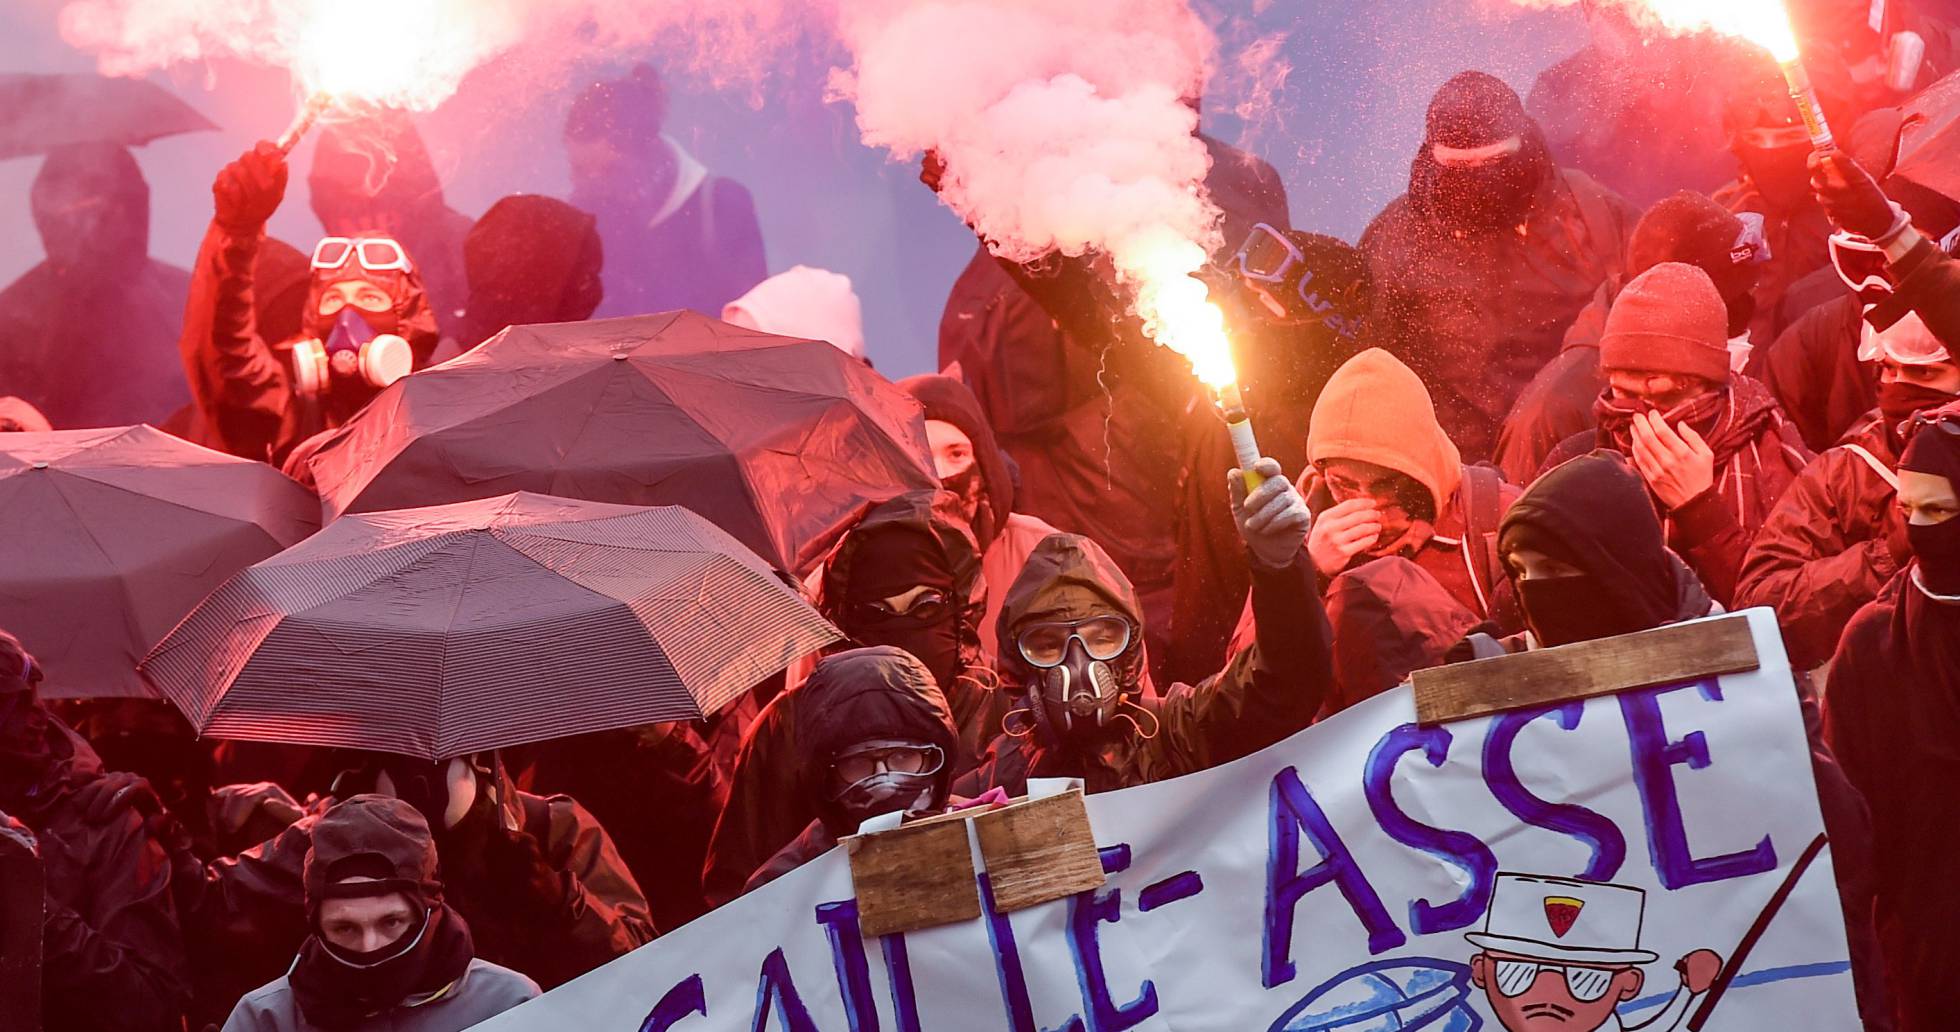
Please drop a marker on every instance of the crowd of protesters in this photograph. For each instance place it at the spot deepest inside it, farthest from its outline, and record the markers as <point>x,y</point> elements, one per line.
<point>1628,354</point>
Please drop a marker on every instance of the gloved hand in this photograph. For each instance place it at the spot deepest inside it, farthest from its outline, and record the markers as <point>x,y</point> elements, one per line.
<point>1273,520</point>
<point>515,864</point>
<point>18,832</point>
<point>105,797</point>
<point>249,190</point>
<point>1850,196</point>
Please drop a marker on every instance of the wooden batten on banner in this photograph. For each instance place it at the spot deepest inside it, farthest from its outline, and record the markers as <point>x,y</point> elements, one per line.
<point>1666,655</point>
<point>1039,851</point>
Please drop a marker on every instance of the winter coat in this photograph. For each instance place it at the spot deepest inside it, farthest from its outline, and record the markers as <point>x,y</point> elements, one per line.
<point>1095,441</point>
<point>1890,717</point>
<point>484,992</point>
<point>112,957</point>
<point>1265,694</point>
<point>90,346</point>
<point>1390,618</point>
<point>699,249</point>
<point>1478,314</point>
<point>1758,455</point>
<point>1814,372</point>
<point>1830,545</point>
<point>1558,402</point>
<point>251,914</point>
<point>854,697</point>
<point>1929,283</point>
<point>242,382</point>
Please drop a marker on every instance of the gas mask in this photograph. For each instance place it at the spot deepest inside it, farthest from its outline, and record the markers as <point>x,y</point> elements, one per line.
<point>354,351</point>
<point>1076,687</point>
<point>886,775</point>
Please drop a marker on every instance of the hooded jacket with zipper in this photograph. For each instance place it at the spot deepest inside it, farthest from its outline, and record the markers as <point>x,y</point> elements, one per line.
<point>854,697</point>
<point>112,958</point>
<point>764,810</point>
<point>1264,694</point>
<point>1476,312</point>
<point>1758,455</point>
<point>1828,548</point>
<point>1814,372</point>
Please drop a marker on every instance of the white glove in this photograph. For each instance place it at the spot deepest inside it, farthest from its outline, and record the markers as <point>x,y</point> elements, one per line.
<point>1274,519</point>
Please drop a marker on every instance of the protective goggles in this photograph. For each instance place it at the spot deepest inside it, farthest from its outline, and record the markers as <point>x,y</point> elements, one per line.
<point>1752,244</point>
<point>375,254</point>
<point>1045,645</point>
<point>871,759</point>
<point>1270,263</point>
<point>926,607</point>
<point>1587,984</point>
<point>1862,266</point>
<point>1945,420</point>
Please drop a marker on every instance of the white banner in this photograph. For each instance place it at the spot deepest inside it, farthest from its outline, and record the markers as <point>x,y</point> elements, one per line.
<point>1587,866</point>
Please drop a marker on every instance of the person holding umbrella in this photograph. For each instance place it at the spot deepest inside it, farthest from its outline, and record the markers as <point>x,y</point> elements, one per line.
<point>112,955</point>
<point>383,950</point>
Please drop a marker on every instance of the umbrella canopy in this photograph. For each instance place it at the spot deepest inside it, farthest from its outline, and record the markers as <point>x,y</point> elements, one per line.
<point>461,628</point>
<point>782,443</point>
<point>108,537</point>
<point>1929,140</point>
<point>40,113</point>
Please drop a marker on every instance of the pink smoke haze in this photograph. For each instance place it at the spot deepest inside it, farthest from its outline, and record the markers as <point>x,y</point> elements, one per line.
<point>1765,23</point>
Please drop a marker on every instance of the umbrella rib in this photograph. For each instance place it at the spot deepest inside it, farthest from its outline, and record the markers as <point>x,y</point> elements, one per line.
<point>448,629</point>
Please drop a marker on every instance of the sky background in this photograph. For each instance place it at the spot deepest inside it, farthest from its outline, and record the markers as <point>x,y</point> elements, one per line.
<point>1341,133</point>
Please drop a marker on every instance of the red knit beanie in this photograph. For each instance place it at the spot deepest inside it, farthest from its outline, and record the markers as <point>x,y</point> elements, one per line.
<point>1670,319</point>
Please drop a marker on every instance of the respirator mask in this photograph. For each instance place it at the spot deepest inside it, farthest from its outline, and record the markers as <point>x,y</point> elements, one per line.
<point>1074,681</point>
<point>361,344</point>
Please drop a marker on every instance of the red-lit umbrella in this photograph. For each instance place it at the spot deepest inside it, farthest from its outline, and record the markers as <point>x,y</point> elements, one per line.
<point>1929,139</point>
<point>39,113</point>
<point>782,443</point>
<point>108,537</point>
<point>460,628</point>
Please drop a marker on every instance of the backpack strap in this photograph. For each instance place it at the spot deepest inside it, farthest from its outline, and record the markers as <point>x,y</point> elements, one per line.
<point>1884,472</point>
<point>1483,505</point>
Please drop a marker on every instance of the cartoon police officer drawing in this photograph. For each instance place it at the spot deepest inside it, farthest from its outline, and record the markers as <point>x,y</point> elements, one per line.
<point>1559,953</point>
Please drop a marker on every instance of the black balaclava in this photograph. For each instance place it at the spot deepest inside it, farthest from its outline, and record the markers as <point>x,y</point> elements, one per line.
<point>92,210</point>
<point>1780,173</point>
<point>1592,513</point>
<point>529,260</point>
<point>1936,547</point>
<point>891,561</point>
<point>1471,111</point>
<point>388,841</point>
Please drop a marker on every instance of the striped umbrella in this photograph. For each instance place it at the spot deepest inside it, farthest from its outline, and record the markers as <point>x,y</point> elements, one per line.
<point>108,537</point>
<point>460,628</point>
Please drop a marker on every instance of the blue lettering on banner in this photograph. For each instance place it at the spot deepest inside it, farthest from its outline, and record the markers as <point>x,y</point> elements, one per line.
<point>1086,912</point>
<point>1007,966</point>
<point>905,996</point>
<point>1602,836</point>
<point>840,924</point>
<point>686,999</point>
<point>1183,885</point>
<point>1458,848</point>
<point>776,991</point>
<point>1291,810</point>
<point>1653,758</point>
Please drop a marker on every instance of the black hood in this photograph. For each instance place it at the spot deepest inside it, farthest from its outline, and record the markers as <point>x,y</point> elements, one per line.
<point>858,696</point>
<point>92,210</point>
<point>530,260</point>
<point>1472,110</point>
<point>1594,513</point>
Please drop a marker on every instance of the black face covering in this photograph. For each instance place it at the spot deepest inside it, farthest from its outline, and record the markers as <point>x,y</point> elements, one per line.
<point>891,564</point>
<point>1563,610</point>
<point>1899,399</point>
<point>1781,174</point>
<point>968,486</point>
<point>1487,197</point>
<point>338,988</point>
<point>1937,548</point>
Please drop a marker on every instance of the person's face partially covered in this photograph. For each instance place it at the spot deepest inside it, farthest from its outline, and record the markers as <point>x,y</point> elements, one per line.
<point>1388,490</point>
<point>954,461</point>
<point>1527,994</point>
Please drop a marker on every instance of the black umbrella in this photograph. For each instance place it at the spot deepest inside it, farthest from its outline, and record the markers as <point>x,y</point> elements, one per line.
<point>40,113</point>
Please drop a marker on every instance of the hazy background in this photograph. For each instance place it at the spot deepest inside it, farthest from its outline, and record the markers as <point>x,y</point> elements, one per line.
<point>1341,132</point>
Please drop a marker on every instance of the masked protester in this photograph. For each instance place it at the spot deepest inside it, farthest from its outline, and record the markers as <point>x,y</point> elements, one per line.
<point>538,879</point>
<point>1818,369</point>
<point>1493,251</point>
<point>374,177</point>
<point>1686,227</point>
<point>676,235</point>
<point>364,324</point>
<point>908,576</point>
<point>975,470</point>
<point>1297,305</point>
<point>87,331</point>
<point>383,951</point>
<point>111,954</point>
<point>1919,276</point>
<point>811,304</point>
<point>1838,536</point>
<point>1715,452</point>
<point>530,260</point>
<point>1892,711</point>
<point>873,735</point>
<point>1078,670</point>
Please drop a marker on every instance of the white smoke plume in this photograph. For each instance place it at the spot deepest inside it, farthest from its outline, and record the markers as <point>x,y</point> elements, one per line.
<point>1765,23</point>
<point>1064,126</point>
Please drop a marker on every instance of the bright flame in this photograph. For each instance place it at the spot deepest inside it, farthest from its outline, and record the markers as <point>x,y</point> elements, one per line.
<point>1176,308</point>
<point>1763,22</point>
<point>409,54</point>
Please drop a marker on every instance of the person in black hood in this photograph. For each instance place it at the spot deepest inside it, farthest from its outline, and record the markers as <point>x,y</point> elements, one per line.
<point>873,736</point>
<point>1482,265</point>
<point>383,950</point>
<point>530,259</point>
<point>365,323</point>
<point>84,335</point>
